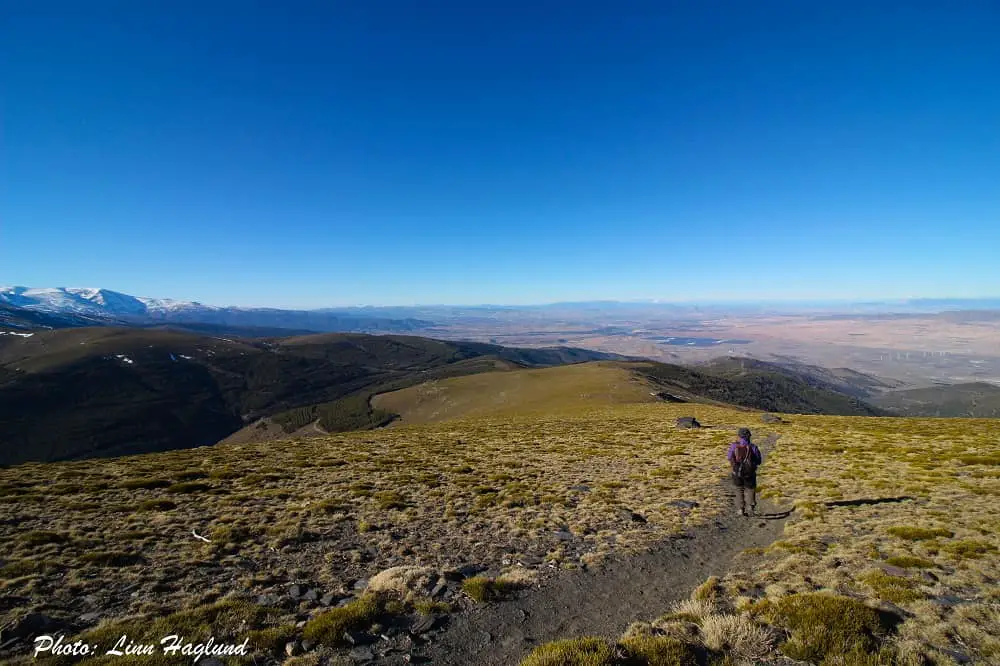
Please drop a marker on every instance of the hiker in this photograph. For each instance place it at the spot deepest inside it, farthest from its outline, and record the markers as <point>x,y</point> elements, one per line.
<point>744,457</point>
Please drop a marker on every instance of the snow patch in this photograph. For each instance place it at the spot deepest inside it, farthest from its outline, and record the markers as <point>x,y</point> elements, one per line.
<point>20,335</point>
<point>123,357</point>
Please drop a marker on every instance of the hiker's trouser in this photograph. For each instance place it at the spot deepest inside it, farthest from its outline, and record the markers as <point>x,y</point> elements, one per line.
<point>746,486</point>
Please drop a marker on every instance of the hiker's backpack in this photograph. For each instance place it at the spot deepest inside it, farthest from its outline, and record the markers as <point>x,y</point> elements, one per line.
<point>743,464</point>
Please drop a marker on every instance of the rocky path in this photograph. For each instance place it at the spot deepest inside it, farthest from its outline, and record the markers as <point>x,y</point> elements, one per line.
<point>602,601</point>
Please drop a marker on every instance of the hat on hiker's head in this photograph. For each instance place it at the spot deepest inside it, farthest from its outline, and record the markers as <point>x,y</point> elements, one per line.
<point>744,433</point>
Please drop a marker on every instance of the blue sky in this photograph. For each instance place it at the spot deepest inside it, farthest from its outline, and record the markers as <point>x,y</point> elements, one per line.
<point>306,154</point>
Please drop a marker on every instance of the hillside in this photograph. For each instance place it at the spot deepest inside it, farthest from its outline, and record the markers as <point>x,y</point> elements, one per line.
<point>978,400</point>
<point>517,391</point>
<point>842,380</point>
<point>512,391</point>
<point>388,532</point>
<point>84,392</point>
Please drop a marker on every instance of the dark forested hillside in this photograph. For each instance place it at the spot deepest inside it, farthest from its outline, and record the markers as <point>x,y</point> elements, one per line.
<point>85,392</point>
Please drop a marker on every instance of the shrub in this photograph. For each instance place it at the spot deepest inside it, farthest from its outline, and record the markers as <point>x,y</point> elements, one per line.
<point>969,548</point>
<point>188,487</point>
<point>390,499</point>
<point>42,537</point>
<point>909,562</point>
<point>823,625</point>
<point>919,533</point>
<point>114,558</point>
<point>589,651</point>
<point>157,505</point>
<point>328,628</point>
<point>135,484</point>
<point>896,589</point>
<point>660,651</point>
<point>481,588</point>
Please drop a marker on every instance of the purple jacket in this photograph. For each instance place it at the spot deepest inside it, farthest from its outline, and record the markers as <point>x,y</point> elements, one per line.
<point>755,454</point>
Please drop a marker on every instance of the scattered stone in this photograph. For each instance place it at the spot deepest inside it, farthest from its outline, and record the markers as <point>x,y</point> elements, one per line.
<point>423,624</point>
<point>632,516</point>
<point>895,571</point>
<point>580,488</point>
<point>771,418</point>
<point>687,422</point>
<point>415,659</point>
<point>210,661</point>
<point>438,589</point>
<point>311,595</point>
<point>357,637</point>
<point>31,625</point>
<point>521,615</point>
<point>327,599</point>
<point>684,504</point>
<point>361,584</point>
<point>362,654</point>
<point>268,600</point>
<point>295,591</point>
<point>530,561</point>
<point>291,648</point>
<point>959,657</point>
<point>307,645</point>
<point>87,618</point>
<point>563,535</point>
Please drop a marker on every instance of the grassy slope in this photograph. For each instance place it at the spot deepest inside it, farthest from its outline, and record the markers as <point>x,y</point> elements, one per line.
<point>516,392</point>
<point>329,510</point>
<point>899,514</point>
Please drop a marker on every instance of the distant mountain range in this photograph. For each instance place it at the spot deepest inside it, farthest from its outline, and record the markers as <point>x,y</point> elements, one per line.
<point>25,307</point>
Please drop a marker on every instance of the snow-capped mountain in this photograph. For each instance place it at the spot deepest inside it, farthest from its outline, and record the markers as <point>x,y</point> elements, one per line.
<point>90,307</point>
<point>99,302</point>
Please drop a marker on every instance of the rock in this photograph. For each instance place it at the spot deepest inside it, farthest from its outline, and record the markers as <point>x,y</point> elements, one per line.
<point>311,595</point>
<point>631,516</point>
<point>268,600</point>
<point>580,488</point>
<point>295,591</point>
<point>291,648</point>
<point>87,618</point>
<point>415,659</point>
<point>357,637</point>
<point>563,535</point>
<point>464,571</point>
<point>210,661</point>
<point>307,645</point>
<point>31,625</point>
<point>771,418</point>
<point>327,599</point>
<point>895,571</point>
<point>521,615</point>
<point>687,422</point>
<point>438,589</point>
<point>361,654</point>
<point>300,624</point>
<point>361,584</point>
<point>423,624</point>
<point>959,657</point>
<point>684,504</point>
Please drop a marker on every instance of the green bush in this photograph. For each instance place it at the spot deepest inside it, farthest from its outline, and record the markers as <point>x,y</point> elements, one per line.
<point>328,628</point>
<point>589,651</point>
<point>919,533</point>
<point>660,651</point>
<point>825,625</point>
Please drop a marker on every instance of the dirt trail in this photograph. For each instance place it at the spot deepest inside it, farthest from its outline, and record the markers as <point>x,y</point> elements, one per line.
<point>602,601</point>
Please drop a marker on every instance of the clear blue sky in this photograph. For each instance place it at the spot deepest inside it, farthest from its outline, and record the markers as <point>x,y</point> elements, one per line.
<point>307,154</point>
